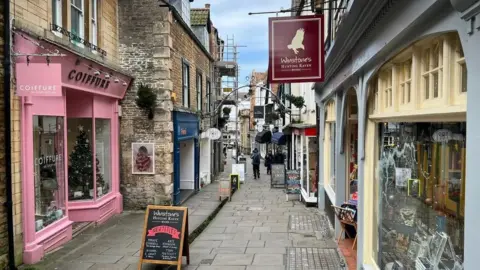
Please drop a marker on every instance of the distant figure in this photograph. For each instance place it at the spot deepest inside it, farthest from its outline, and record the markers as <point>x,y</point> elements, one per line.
<point>256,163</point>
<point>268,162</point>
<point>297,41</point>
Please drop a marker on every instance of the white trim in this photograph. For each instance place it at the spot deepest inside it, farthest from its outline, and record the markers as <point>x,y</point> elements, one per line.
<point>307,198</point>
<point>94,22</point>
<point>330,193</point>
<point>57,18</point>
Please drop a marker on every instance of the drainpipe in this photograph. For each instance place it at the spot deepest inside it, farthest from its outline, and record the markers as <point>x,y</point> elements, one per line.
<point>8,148</point>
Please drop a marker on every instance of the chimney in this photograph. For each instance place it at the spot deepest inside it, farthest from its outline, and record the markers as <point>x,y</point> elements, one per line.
<point>207,6</point>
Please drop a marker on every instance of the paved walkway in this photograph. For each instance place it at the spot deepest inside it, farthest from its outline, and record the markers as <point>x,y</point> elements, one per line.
<point>260,230</point>
<point>115,245</point>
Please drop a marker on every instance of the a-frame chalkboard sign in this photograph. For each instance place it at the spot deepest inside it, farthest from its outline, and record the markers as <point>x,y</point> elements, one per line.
<point>165,236</point>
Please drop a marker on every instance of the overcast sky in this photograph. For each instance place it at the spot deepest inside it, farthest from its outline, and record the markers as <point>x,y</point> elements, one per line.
<point>231,18</point>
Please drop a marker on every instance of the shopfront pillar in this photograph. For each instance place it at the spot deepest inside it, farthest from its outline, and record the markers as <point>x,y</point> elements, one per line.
<point>321,138</point>
<point>470,38</point>
<point>340,160</point>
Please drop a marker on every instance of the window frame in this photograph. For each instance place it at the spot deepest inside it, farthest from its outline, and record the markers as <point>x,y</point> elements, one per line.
<point>81,30</point>
<point>405,81</point>
<point>94,22</point>
<point>429,70</point>
<point>199,89</point>
<point>185,83</point>
<point>209,94</point>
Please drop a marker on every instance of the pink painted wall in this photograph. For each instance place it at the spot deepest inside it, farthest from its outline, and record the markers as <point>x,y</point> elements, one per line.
<point>85,96</point>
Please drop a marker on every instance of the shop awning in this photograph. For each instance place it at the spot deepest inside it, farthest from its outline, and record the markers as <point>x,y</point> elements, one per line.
<point>263,136</point>
<point>279,138</point>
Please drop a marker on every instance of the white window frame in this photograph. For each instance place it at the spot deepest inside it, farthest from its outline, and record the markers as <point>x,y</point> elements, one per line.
<point>406,82</point>
<point>81,30</point>
<point>94,22</point>
<point>199,82</point>
<point>185,84</point>
<point>387,88</point>
<point>57,16</point>
<point>429,71</point>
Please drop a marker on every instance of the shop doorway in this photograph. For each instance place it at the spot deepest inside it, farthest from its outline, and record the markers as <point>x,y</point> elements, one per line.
<point>187,169</point>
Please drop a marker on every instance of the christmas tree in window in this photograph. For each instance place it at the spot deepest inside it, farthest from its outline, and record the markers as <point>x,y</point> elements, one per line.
<point>80,171</point>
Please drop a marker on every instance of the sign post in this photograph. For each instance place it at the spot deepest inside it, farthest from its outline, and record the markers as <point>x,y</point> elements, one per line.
<point>224,189</point>
<point>165,236</point>
<point>278,176</point>
<point>239,169</point>
<point>293,184</point>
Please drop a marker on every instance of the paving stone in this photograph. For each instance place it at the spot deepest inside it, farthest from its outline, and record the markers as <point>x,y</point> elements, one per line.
<point>233,259</point>
<point>103,266</point>
<point>71,266</point>
<point>261,229</point>
<point>201,250</point>
<point>121,251</point>
<point>215,230</point>
<point>269,259</point>
<point>266,251</point>
<point>205,244</point>
<point>99,258</point>
<point>273,236</point>
<point>234,243</point>
<point>128,260</point>
<point>220,237</point>
<point>314,258</point>
<point>220,267</point>
<point>256,243</point>
<point>229,250</point>
<point>278,243</point>
<point>239,229</point>
<point>247,236</point>
<point>200,258</point>
<point>265,267</point>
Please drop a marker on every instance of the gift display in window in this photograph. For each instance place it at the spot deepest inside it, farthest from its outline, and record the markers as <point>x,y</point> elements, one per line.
<point>422,195</point>
<point>49,172</point>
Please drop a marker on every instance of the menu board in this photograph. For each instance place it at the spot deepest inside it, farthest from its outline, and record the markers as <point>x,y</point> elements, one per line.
<point>165,235</point>
<point>278,175</point>
<point>234,182</point>
<point>293,182</point>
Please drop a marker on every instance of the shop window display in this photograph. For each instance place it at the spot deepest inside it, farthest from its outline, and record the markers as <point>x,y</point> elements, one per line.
<point>421,175</point>
<point>312,165</point>
<point>49,169</point>
<point>102,164</point>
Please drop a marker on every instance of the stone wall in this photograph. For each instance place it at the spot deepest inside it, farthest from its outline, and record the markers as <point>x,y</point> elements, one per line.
<point>145,50</point>
<point>16,166</point>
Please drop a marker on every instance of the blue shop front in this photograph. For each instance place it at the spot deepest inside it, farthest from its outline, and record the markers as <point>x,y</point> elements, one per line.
<point>186,156</point>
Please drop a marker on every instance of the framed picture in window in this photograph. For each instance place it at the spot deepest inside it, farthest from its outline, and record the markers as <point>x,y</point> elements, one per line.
<point>143,158</point>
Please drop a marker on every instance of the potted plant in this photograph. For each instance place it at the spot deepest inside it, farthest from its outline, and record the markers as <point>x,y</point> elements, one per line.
<point>146,99</point>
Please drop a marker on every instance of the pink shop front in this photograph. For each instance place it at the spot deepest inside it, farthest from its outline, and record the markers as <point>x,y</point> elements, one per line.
<point>70,142</point>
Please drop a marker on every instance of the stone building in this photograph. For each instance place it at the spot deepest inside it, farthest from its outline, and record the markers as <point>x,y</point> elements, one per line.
<point>74,46</point>
<point>171,49</point>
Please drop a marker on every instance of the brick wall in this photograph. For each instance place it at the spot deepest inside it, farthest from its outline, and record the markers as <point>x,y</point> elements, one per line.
<point>145,50</point>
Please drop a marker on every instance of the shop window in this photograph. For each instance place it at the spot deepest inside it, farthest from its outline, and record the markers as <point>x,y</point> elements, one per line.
<point>460,57</point>
<point>199,91</point>
<point>432,71</point>
<point>312,165</point>
<point>57,12</point>
<point>421,177</point>
<point>102,163</point>
<point>186,84</point>
<point>209,96</point>
<point>405,81</point>
<point>80,161</point>
<point>49,169</point>
<point>77,18</point>
<point>305,168</point>
<point>94,22</point>
<point>387,88</point>
<point>332,155</point>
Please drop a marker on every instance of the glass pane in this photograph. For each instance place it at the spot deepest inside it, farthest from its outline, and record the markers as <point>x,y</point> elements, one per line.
<point>49,169</point>
<point>54,12</point>
<point>312,165</point>
<point>80,161</point>
<point>464,77</point>
<point>353,162</point>
<point>75,22</point>
<point>426,60</point>
<point>408,91</point>
<point>402,93</point>
<point>305,163</point>
<point>435,84</point>
<point>421,179</point>
<point>78,4</point>
<point>426,81</point>
<point>103,160</point>
<point>332,155</point>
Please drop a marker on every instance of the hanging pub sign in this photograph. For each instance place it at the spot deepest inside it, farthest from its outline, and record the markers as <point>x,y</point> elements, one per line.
<point>296,49</point>
<point>165,236</point>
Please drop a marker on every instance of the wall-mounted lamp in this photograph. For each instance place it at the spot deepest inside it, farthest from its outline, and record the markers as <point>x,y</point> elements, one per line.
<point>107,76</point>
<point>116,80</point>
<point>96,73</point>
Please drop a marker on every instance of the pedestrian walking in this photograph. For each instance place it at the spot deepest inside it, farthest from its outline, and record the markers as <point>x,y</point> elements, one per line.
<point>256,163</point>
<point>268,162</point>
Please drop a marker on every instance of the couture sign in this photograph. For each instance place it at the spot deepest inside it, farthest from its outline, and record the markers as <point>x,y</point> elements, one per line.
<point>296,49</point>
<point>38,79</point>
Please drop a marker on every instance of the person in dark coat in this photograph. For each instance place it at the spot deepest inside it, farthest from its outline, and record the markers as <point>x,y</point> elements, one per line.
<point>256,163</point>
<point>268,162</point>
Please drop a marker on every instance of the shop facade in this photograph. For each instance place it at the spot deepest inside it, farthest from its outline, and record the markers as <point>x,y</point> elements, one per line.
<point>69,135</point>
<point>304,159</point>
<point>186,155</point>
<point>401,131</point>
